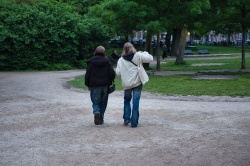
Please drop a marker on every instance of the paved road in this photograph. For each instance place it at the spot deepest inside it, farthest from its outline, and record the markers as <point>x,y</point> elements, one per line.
<point>45,122</point>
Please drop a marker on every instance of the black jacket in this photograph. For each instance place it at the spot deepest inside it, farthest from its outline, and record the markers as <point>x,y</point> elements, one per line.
<point>100,72</point>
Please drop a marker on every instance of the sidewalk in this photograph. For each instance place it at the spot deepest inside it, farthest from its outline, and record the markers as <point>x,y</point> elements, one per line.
<point>171,73</point>
<point>45,123</point>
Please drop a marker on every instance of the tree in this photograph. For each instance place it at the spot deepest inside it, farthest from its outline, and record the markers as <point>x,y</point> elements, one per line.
<point>231,16</point>
<point>220,20</point>
<point>178,15</point>
<point>41,34</point>
<point>82,6</point>
<point>155,27</point>
<point>121,16</point>
<point>182,15</point>
<point>240,11</point>
<point>155,22</point>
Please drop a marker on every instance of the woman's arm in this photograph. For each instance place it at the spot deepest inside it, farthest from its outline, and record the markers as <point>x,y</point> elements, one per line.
<point>145,57</point>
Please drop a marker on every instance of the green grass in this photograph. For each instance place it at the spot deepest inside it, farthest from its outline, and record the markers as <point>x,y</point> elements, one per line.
<point>233,63</point>
<point>185,85</point>
<point>223,49</point>
<point>78,82</point>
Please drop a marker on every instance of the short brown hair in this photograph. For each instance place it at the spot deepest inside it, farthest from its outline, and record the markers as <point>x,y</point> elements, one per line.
<point>100,50</point>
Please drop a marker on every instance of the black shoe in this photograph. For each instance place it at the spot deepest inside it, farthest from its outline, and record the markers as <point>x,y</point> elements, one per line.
<point>126,122</point>
<point>97,118</point>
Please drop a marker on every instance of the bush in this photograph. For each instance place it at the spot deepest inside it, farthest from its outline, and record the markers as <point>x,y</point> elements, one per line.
<point>81,64</point>
<point>40,34</point>
<point>60,66</point>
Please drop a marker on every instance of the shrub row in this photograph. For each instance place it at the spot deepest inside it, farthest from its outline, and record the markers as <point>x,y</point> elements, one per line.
<point>45,33</point>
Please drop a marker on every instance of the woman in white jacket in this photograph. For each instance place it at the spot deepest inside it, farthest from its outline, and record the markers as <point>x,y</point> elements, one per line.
<point>127,69</point>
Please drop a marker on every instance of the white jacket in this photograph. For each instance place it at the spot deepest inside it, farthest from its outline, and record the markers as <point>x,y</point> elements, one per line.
<point>129,72</point>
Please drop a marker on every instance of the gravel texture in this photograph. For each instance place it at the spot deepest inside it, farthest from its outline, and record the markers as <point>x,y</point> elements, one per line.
<point>45,122</point>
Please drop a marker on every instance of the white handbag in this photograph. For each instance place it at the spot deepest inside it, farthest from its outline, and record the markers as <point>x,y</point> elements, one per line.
<point>142,74</point>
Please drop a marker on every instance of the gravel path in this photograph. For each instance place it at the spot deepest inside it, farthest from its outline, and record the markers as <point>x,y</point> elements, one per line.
<point>45,122</point>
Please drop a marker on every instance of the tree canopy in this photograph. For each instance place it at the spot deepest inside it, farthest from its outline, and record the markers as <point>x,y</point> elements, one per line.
<point>38,33</point>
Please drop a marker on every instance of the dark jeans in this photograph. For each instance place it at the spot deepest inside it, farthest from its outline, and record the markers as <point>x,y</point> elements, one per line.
<point>128,94</point>
<point>99,98</point>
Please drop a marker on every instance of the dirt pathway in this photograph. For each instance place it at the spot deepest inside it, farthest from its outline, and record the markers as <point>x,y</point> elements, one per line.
<point>44,122</point>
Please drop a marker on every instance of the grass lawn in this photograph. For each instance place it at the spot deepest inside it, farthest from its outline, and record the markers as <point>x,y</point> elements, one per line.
<point>223,49</point>
<point>185,85</point>
<point>233,63</point>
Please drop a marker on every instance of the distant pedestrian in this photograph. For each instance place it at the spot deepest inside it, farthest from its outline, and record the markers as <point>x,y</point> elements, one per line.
<point>99,75</point>
<point>164,52</point>
<point>127,69</point>
<point>115,55</point>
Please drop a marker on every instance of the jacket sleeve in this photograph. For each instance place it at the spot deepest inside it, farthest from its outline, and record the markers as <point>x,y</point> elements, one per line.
<point>145,57</point>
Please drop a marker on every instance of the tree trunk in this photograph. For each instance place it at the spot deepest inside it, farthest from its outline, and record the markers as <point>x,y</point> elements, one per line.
<point>243,61</point>
<point>228,39</point>
<point>126,38</point>
<point>158,68</point>
<point>168,44</point>
<point>176,41</point>
<point>180,56</point>
<point>148,47</point>
<point>148,41</point>
<point>244,30</point>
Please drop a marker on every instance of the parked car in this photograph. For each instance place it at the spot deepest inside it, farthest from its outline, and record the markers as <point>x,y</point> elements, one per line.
<point>115,43</point>
<point>142,41</point>
<point>135,42</point>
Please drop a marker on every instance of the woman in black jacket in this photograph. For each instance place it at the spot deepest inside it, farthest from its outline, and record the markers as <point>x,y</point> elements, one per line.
<point>99,76</point>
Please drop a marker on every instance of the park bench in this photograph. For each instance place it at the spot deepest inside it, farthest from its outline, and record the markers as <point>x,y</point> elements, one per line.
<point>191,47</point>
<point>188,52</point>
<point>203,52</point>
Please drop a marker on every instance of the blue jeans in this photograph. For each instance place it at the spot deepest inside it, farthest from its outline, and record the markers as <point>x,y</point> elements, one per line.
<point>128,94</point>
<point>99,98</point>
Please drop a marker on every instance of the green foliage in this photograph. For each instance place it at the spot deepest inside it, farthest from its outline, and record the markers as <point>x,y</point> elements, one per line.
<point>81,64</point>
<point>121,16</point>
<point>60,66</point>
<point>44,33</point>
<point>93,34</point>
<point>154,26</point>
